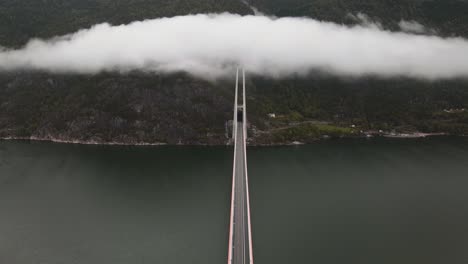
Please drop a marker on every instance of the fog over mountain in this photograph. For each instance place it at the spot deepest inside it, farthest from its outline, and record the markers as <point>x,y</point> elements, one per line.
<point>211,46</point>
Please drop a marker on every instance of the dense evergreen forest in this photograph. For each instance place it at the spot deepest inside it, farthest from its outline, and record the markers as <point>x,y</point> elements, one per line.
<point>178,108</point>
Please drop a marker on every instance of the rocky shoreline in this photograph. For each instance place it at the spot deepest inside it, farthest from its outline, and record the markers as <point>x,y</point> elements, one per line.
<point>414,135</point>
<point>417,135</point>
<point>82,142</point>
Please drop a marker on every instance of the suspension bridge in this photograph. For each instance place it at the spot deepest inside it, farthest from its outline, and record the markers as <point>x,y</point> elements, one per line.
<point>240,230</point>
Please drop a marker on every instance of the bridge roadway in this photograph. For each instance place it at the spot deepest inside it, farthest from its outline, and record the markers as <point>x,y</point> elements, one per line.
<point>240,238</point>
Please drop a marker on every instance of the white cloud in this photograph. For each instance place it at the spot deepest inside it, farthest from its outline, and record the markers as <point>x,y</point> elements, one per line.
<point>255,10</point>
<point>412,27</point>
<point>212,46</point>
<point>366,21</point>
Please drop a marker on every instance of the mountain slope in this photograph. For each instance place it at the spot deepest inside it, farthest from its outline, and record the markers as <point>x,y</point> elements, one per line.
<point>177,108</point>
<point>21,20</point>
<point>448,17</point>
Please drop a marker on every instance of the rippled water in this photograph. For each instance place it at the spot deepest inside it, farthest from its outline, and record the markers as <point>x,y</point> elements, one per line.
<point>345,201</point>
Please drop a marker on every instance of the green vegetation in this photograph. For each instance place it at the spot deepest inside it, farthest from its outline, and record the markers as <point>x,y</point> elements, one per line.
<point>448,17</point>
<point>371,103</point>
<point>309,133</point>
<point>177,108</point>
<point>21,20</point>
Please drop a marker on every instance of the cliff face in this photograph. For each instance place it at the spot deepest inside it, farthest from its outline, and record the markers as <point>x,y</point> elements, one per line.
<point>177,108</point>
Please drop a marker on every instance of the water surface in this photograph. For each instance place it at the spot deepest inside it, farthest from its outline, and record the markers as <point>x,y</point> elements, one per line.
<point>344,201</point>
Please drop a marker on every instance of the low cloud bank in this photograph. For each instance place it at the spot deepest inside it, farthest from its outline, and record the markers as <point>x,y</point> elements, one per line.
<point>211,46</point>
<point>255,10</point>
<point>413,27</point>
<point>365,21</point>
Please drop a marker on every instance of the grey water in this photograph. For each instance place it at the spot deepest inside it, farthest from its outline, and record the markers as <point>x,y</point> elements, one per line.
<point>347,201</point>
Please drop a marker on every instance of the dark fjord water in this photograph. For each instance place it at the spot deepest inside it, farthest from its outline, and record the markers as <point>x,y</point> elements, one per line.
<point>336,202</point>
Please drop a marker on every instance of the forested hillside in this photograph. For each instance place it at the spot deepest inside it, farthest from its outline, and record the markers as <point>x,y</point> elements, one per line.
<point>141,107</point>
<point>448,17</point>
<point>21,20</point>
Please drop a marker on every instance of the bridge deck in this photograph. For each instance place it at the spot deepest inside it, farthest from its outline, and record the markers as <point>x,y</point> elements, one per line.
<point>240,222</point>
<point>240,239</point>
